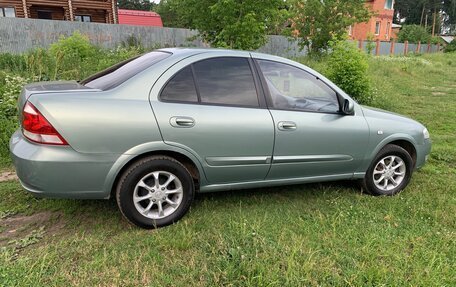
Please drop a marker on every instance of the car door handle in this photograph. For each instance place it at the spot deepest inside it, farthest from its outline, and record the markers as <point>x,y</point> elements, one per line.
<point>287,126</point>
<point>182,122</point>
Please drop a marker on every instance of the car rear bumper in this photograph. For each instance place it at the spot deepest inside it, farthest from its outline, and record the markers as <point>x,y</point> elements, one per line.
<point>60,172</point>
<point>422,153</point>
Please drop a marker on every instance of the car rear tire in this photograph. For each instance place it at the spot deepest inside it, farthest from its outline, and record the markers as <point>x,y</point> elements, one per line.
<point>154,192</point>
<point>390,171</point>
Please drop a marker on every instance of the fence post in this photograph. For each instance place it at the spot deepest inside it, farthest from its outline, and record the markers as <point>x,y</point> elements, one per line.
<point>405,48</point>
<point>438,47</point>
<point>429,47</point>
<point>392,47</point>
<point>360,44</point>
<point>377,47</point>
<point>418,48</point>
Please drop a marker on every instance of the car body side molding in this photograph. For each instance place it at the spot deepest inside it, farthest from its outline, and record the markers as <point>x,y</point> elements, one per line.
<point>311,158</point>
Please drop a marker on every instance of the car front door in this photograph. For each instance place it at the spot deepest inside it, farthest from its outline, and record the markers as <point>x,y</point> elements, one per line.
<point>212,108</point>
<point>312,137</point>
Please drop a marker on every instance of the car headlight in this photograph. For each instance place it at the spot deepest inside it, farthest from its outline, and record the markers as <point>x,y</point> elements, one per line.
<point>426,134</point>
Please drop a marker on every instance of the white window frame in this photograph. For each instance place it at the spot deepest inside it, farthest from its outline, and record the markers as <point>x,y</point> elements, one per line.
<point>3,13</point>
<point>392,5</point>
<point>83,17</point>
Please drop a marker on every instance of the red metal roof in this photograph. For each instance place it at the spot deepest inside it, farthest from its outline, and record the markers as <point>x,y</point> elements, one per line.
<point>140,18</point>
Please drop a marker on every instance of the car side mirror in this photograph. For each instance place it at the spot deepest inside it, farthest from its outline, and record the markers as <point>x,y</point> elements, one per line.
<point>348,107</point>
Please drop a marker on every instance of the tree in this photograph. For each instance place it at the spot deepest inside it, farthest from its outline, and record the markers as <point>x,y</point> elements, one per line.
<point>168,11</point>
<point>437,16</point>
<point>413,34</point>
<point>317,22</point>
<point>226,23</point>
<point>144,5</point>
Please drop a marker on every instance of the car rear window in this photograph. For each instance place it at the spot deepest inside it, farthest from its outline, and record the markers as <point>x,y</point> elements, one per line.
<point>121,72</point>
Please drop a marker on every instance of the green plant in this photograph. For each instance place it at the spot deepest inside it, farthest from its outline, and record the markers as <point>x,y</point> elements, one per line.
<point>10,87</point>
<point>72,54</point>
<point>13,63</point>
<point>347,68</point>
<point>413,34</point>
<point>316,23</point>
<point>450,47</point>
<point>370,46</point>
<point>132,41</point>
<point>7,128</point>
<point>228,23</point>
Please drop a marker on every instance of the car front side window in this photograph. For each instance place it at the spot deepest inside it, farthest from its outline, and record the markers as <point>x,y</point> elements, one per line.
<point>291,88</point>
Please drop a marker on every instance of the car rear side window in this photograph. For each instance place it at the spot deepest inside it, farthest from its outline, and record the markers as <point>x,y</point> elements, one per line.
<point>226,81</point>
<point>181,87</point>
<point>118,74</point>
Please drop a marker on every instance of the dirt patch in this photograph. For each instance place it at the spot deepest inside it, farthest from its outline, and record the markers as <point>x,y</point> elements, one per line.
<point>7,175</point>
<point>21,230</point>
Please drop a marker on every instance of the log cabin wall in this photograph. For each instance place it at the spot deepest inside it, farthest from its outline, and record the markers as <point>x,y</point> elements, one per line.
<point>100,11</point>
<point>16,4</point>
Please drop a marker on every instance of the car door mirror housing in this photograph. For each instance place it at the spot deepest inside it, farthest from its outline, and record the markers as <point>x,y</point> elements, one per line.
<point>348,107</point>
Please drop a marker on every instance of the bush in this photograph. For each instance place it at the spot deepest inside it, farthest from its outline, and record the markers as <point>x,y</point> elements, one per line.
<point>71,54</point>
<point>347,68</point>
<point>7,128</point>
<point>13,63</point>
<point>450,47</point>
<point>413,34</point>
<point>10,87</point>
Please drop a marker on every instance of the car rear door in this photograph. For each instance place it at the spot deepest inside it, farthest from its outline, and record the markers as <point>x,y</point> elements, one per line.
<point>313,139</point>
<point>210,105</point>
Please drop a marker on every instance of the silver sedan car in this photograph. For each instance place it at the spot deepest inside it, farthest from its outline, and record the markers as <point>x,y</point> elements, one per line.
<point>154,130</point>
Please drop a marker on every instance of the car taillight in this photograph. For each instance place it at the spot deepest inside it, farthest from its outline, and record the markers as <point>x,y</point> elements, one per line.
<point>36,128</point>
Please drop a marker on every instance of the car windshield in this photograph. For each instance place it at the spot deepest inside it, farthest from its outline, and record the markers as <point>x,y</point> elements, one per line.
<point>121,72</point>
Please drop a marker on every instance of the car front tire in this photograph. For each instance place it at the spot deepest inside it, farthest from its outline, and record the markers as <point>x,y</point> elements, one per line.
<point>390,171</point>
<point>154,192</point>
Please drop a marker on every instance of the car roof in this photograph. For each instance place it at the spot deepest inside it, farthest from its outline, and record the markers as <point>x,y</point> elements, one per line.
<point>228,52</point>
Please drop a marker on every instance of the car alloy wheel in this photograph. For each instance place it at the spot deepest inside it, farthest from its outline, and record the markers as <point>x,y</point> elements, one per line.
<point>158,194</point>
<point>389,172</point>
<point>155,191</point>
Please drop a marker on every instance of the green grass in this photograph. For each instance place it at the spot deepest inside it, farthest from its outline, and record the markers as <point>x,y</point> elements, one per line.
<point>307,235</point>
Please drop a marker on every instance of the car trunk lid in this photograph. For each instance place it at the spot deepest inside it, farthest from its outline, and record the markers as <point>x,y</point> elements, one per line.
<point>48,87</point>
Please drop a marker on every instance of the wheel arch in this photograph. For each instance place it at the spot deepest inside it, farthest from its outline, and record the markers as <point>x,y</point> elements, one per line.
<point>188,160</point>
<point>409,147</point>
<point>403,140</point>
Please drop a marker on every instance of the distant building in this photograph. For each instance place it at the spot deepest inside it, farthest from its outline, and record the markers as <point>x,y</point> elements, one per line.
<point>380,26</point>
<point>139,18</point>
<point>100,11</point>
<point>447,39</point>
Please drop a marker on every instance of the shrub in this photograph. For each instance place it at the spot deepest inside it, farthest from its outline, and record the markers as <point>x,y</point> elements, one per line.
<point>13,63</point>
<point>72,54</point>
<point>41,65</point>
<point>450,47</point>
<point>77,46</point>
<point>347,68</point>
<point>10,87</point>
<point>7,128</point>
<point>370,46</point>
<point>413,34</point>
